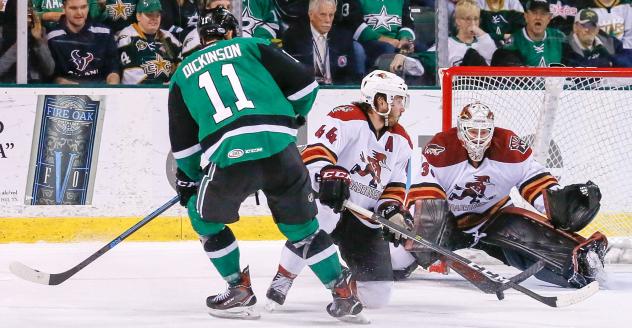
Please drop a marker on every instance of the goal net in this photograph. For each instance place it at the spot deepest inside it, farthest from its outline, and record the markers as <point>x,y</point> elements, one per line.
<point>577,120</point>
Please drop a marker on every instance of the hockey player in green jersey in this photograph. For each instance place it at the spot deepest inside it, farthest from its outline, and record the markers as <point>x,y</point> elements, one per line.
<point>148,54</point>
<point>237,103</point>
<point>537,44</point>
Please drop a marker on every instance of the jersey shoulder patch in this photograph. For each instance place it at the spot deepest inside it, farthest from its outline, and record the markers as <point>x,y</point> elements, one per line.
<point>348,113</point>
<point>507,147</point>
<point>399,130</point>
<point>445,149</point>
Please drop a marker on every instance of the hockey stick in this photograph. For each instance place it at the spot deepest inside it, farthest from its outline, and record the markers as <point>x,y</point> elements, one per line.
<point>567,299</point>
<point>44,278</point>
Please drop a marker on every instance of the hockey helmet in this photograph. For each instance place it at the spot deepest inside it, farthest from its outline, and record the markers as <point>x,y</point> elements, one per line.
<point>216,22</point>
<point>385,83</point>
<point>475,125</point>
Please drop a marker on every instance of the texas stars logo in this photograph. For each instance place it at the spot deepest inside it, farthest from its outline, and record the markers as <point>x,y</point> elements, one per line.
<point>120,10</point>
<point>383,19</point>
<point>157,66</point>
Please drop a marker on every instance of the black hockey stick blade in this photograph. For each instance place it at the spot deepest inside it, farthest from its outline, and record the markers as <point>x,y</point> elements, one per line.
<point>501,282</point>
<point>44,278</point>
<point>487,286</point>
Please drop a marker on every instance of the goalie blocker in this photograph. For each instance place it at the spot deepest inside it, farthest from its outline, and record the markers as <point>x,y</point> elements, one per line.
<point>518,238</point>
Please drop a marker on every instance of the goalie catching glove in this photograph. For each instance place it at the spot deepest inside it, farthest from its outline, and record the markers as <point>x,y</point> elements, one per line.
<point>334,187</point>
<point>399,216</point>
<point>573,207</point>
<point>186,187</point>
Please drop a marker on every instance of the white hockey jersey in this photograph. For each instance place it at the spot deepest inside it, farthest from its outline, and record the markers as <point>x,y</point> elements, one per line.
<point>378,167</point>
<point>484,190</point>
<point>616,21</point>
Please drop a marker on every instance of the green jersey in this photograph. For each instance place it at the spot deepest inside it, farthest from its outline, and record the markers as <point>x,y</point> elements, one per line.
<point>40,7</point>
<point>259,19</point>
<point>389,17</point>
<point>507,20</point>
<point>236,100</point>
<point>117,14</point>
<point>538,53</point>
<point>147,59</point>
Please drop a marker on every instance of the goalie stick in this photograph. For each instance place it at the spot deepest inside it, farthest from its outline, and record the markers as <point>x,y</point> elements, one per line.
<point>501,283</point>
<point>44,278</point>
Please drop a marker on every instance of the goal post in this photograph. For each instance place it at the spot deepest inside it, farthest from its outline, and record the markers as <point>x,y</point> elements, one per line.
<point>577,120</point>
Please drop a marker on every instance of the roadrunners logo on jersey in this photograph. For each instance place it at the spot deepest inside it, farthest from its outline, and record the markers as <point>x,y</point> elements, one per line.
<point>433,149</point>
<point>373,166</point>
<point>515,143</point>
<point>475,190</point>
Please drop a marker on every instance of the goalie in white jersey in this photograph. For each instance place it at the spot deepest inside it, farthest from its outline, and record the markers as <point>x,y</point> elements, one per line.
<point>462,200</point>
<point>361,153</point>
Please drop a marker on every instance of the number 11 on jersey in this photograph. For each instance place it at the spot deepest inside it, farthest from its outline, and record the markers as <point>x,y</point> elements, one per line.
<point>222,112</point>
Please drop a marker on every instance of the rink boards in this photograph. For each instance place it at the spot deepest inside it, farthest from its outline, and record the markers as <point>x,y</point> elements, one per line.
<point>128,176</point>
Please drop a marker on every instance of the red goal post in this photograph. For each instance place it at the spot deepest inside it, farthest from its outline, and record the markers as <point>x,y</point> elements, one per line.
<point>577,120</point>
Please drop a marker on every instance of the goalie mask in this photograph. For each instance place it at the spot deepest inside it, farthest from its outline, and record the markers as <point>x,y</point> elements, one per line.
<point>475,126</point>
<point>386,83</point>
<point>215,23</point>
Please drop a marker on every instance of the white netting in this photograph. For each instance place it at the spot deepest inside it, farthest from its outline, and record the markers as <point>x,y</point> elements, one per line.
<point>586,123</point>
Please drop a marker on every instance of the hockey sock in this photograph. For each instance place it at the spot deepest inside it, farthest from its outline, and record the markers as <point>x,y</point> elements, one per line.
<point>317,249</point>
<point>223,252</point>
<point>218,241</point>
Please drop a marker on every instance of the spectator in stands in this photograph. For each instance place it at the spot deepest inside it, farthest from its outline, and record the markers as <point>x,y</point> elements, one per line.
<point>83,51</point>
<point>40,63</point>
<point>615,19</point>
<point>115,14</point>
<point>325,49</point>
<point>348,16</point>
<point>587,46</point>
<point>538,44</point>
<point>469,35</point>
<point>563,13</point>
<point>390,19</point>
<point>178,17</point>
<point>148,54</point>
<point>48,11</point>
<point>501,18</point>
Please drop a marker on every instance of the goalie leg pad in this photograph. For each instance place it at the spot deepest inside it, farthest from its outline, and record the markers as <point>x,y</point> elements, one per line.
<point>526,237</point>
<point>435,223</point>
<point>573,207</point>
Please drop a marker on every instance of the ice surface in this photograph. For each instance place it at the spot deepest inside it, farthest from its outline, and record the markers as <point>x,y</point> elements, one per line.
<point>165,285</point>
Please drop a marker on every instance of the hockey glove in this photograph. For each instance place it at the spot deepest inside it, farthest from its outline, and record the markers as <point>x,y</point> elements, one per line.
<point>573,207</point>
<point>395,214</point>
<point>185,187</point>
<point>334,187</point>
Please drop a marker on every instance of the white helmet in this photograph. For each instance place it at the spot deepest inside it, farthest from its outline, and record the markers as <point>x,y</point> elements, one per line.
<point>387,83</point>
<point>475,126</point>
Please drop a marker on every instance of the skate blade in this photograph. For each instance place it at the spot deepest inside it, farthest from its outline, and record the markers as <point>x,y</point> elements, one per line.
<point>359,319</point>
<point>242,313</point>
<point>271,306</point>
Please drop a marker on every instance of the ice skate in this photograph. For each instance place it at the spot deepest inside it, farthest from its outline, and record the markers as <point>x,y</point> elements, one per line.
<point>237,302</point>
<point>279,287</point>
<point>345,306</point>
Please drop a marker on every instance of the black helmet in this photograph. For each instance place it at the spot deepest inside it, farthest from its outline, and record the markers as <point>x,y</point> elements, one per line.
<point>216,22</point>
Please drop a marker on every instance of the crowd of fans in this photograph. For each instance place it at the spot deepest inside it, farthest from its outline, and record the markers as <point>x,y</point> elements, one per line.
<point>142,41</point>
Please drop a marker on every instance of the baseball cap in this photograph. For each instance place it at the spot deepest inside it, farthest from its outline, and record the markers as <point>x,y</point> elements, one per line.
<point>587,16</point>
<point>537,4</point>
<point>148,6</point>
